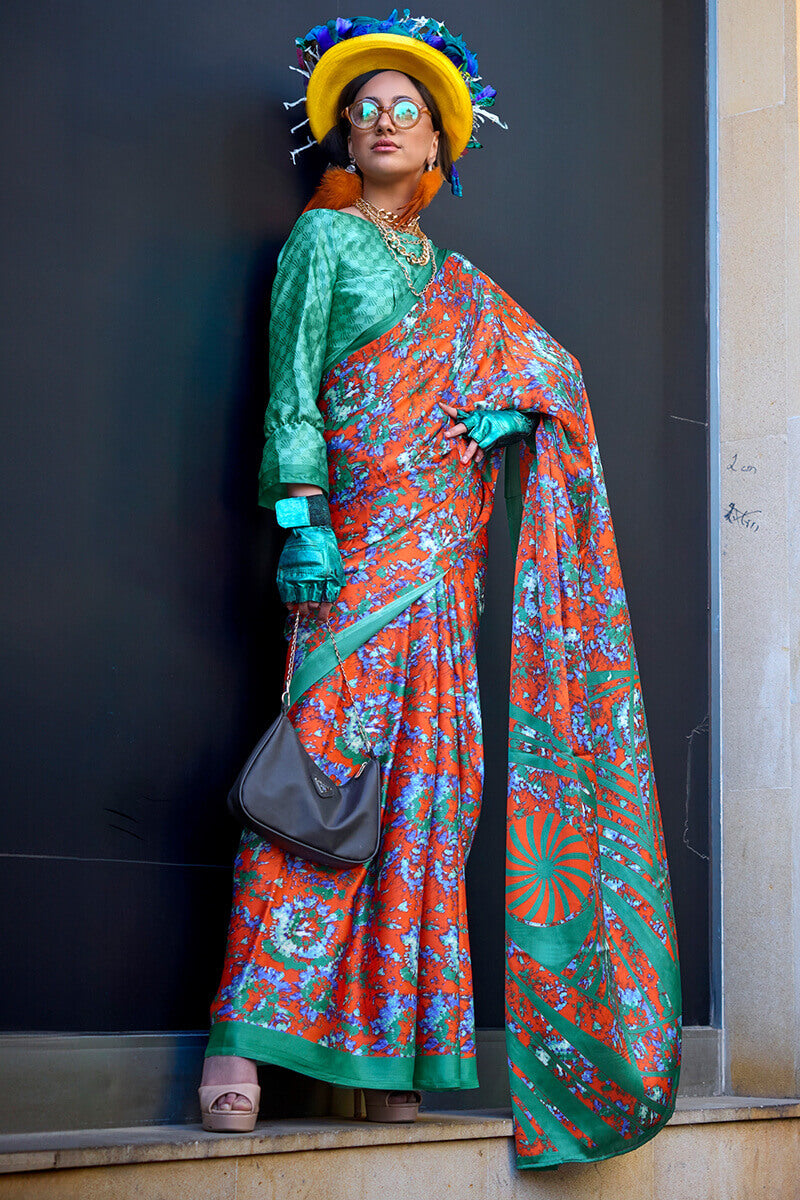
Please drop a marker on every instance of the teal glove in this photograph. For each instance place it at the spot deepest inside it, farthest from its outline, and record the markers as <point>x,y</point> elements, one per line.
<point>491,429</point>
<point>310,566</point>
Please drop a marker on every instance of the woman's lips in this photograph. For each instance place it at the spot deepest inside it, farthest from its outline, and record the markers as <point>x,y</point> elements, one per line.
<point>384,146</point>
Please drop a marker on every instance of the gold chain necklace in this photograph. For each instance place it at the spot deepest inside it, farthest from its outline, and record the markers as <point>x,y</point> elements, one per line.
<point>393,233</point>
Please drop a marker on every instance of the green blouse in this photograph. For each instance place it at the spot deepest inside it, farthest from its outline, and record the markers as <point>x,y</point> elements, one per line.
<point>336,279</point>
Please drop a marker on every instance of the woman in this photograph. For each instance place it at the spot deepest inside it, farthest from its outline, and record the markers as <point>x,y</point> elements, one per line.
<point>399,373</point>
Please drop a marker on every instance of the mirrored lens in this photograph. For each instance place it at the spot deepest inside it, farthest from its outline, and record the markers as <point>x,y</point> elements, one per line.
<point>406,113</point>
<point>364,113</point>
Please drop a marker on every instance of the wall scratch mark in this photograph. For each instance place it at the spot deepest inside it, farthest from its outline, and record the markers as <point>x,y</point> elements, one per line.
<point>688,420</point>
<point>701,728</point>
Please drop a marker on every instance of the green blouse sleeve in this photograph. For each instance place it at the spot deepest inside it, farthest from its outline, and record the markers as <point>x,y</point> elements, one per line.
<point>295,449</point>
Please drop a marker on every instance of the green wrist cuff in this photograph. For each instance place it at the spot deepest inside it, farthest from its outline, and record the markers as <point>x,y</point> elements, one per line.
<point>294,512</point>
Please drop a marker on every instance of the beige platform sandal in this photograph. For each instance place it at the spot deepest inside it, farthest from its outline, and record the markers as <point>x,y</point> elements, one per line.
<point>229,1120</point>
<point>392,1106</point>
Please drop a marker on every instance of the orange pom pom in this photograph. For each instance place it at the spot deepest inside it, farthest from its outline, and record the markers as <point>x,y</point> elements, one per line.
<point>338,188</point>
<point>427,188</point>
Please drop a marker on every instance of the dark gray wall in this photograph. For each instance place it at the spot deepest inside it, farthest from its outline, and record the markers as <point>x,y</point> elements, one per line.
<point>148,189</point>
<point>594,220</point>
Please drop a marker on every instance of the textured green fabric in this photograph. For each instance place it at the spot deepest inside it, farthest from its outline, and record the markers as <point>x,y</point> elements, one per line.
<point>436,1072</point>
<point>310,566</point>
<point>335,278</point>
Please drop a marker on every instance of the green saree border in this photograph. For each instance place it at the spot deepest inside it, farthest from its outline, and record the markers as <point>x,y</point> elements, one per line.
<point>548,1161</point>
<point>321,661</point>
<point>434,1073</point>
<point>377,330</point>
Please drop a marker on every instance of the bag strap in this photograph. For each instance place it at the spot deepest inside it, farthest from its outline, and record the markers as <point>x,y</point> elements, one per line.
<point>292,654</point>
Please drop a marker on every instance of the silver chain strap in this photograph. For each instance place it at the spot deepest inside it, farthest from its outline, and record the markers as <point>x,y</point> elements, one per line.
<point>351,697</point>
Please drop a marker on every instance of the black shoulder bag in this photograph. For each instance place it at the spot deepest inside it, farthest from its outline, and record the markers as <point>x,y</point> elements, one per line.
<point>283,796</point>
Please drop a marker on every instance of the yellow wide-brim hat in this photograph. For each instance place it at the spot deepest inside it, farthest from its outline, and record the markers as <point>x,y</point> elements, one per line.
<point>390,52</point>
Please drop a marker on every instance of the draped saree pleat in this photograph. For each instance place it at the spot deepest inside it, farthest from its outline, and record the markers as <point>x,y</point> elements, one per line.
<point>364,976</point>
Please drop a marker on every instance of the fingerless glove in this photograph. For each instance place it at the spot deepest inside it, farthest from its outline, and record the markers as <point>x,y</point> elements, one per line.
<point>492,429</point>
<point>310,566</point>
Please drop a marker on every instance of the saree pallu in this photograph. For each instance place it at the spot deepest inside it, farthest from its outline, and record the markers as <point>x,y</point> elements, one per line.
<point>363,977</point>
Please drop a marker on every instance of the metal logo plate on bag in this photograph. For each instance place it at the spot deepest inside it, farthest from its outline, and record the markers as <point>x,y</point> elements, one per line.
<point>323,786</point>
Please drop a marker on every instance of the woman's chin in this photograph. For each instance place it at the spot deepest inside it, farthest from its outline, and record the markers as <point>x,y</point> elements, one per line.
<point>383,173</point>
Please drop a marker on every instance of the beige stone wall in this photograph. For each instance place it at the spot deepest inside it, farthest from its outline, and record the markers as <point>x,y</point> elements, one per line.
<point>752,1159</point>
<point>759,370</point>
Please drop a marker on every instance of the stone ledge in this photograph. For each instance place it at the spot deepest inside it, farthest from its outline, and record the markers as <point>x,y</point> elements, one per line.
<point>173,1143</point>
<point>164,1143</point>
<point>709,1110</point>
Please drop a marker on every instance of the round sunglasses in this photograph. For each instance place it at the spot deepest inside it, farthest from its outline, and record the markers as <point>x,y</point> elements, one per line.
<point>364,114</point>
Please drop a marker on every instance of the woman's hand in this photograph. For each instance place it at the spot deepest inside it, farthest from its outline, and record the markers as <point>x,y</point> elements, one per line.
<point>492,428</point>
<point>311,609</point>
<point>310,571</point>
<point>473,450</point>
<point>298,594</point>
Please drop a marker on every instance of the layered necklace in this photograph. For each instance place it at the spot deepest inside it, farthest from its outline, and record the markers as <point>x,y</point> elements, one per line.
<point>405,241</point>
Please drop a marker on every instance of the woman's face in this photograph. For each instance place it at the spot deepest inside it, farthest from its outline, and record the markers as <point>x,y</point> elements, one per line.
<point>386,153</point>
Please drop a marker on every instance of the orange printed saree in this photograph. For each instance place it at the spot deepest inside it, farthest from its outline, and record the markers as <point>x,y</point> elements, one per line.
<point>363,977</point>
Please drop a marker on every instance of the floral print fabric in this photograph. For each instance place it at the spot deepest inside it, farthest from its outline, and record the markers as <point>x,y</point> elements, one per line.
<point>364,976</point>
<point>366,972</point>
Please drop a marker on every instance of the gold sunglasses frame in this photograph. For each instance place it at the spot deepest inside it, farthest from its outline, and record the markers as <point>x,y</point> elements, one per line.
<point>387,109</point>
